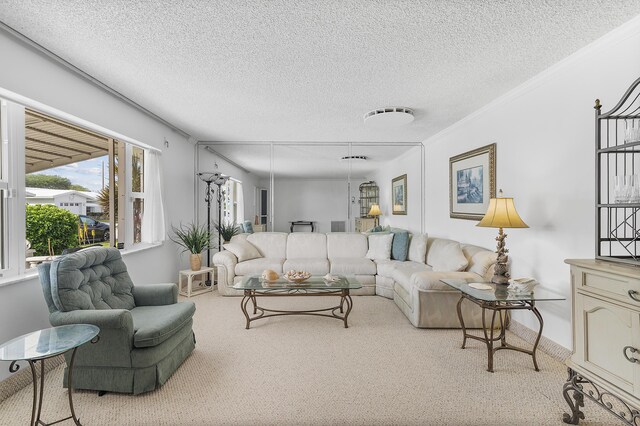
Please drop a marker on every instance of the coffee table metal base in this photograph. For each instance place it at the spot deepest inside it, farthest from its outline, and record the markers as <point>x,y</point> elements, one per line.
<point>344,307</point>
<point>501,309</point>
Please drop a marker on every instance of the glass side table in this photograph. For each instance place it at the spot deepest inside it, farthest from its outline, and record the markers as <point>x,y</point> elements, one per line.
<point>500,301</point>
<point>44,344</point>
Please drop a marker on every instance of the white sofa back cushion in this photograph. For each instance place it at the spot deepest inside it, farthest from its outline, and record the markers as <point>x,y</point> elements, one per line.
<point>380,246</point>
<point>346,245</point>
<point>418,248</point>
<point>306,245</point>
<point>480,259</point>
<point>270,244</point>
<point>445,255</point>
<point>243,250</point>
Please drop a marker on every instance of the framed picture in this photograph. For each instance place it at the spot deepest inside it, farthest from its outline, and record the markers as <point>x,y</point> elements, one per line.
<point>472,182</point>
<point>399,195</point>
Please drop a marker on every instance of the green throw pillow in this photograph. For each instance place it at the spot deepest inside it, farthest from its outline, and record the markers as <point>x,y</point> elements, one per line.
<point>400,244</point>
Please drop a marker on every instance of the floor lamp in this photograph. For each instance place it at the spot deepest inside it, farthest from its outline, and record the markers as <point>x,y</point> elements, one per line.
<point>217,179</point>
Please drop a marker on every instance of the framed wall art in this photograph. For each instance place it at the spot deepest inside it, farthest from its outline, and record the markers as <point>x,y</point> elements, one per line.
<point>399,195</point>
<point>472,182</point>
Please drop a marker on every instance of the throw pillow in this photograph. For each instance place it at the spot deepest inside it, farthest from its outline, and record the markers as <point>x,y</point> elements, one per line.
<point>400,244</point>
<point>482,261</point>
<point>418,248</point>
<point>446,256</point>
<point>243,250</point>
<point>380,246</point>
<point>247,227</point>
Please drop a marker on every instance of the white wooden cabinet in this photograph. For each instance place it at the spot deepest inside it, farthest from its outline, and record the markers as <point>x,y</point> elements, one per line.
<point>363,224</point>
<point>606,328</point>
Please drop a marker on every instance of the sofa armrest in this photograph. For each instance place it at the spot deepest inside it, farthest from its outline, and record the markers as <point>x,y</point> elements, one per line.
<point>225,262</point>
<point>155,294</point>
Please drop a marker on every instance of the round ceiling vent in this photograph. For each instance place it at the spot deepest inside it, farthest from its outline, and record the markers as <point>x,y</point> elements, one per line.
<point>389,117</point>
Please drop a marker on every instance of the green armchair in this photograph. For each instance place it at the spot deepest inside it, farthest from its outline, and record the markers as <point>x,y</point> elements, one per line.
<point>145,335</point>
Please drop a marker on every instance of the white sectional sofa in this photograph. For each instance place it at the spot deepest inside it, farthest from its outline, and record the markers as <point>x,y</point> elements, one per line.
<point>414,284</point>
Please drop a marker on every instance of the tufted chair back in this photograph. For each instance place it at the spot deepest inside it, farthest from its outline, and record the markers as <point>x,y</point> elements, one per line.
<point>94,278</point>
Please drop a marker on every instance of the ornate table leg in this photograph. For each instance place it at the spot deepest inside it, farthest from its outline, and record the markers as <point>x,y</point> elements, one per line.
<point>490,339</point>
<point>576,414</point>
<point>464,329</point>
<point>243,305</point>
<point>535,345</point>
<point>347,298</point>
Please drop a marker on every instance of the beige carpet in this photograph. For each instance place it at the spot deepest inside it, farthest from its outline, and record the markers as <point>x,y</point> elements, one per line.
<point>309,370</point>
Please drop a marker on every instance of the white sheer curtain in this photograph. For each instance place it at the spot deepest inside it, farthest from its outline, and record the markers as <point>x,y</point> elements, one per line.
<point>153,225</point>
<point>239,203</point>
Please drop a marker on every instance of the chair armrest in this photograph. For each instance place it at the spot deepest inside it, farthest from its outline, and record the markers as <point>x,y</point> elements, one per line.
<point>114,319</point>
<point>226,263</point>
<point>155,294</point>
<point>116,336</point>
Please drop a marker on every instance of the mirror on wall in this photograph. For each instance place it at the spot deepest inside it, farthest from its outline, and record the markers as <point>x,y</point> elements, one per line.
<point>313,186</point>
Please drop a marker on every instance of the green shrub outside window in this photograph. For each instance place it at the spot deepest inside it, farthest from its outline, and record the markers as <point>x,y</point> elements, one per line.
<point>48,224</point>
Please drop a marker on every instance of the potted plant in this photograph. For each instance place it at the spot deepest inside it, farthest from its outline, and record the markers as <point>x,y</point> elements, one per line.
<point>227,230</point>
<point>194,239</point>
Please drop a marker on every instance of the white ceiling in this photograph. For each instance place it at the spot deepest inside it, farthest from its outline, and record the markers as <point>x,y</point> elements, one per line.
<point>283,70</point>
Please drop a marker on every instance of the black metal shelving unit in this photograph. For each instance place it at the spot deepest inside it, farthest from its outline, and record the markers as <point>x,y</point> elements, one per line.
<point>617,154</point>
<point>369,194</point>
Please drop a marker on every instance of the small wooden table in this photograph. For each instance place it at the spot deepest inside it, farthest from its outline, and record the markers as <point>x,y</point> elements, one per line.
<point>188,286</point>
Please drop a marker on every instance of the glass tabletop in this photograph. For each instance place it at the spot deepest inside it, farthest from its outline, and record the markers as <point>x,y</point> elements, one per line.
<point>255,282</point>
<point>47,342</point>
<point>499,292</point>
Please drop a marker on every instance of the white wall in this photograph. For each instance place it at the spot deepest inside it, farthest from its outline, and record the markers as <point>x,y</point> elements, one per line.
<point>28,73</point>
<point>544,132</point>
<point>409,163</point>
<point>318,200</point>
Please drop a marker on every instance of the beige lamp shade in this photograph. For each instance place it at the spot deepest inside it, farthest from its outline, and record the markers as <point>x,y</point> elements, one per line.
<point>375,210</point>
<point>502,214</point>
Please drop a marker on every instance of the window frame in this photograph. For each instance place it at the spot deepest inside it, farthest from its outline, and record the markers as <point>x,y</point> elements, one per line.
<point>12,173</point>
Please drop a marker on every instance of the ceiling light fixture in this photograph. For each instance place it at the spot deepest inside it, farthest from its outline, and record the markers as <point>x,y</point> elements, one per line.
<point>389,117</point>
<point>355,157</point>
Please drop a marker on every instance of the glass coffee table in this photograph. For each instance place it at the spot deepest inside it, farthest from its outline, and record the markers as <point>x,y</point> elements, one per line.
<point>44,344</point>
<point>255,287</point>
<point>500,301</point>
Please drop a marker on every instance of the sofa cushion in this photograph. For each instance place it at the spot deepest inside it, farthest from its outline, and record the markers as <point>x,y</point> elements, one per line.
<point>400,244</point>
<point>243,250</point>
<point>445,255</point>
<point>256,266</point>
<point>305,245</point>
<point>153,325</point>
<point>316,266</point>
<point>247,227</point>
<point>352,266</point>
<point>380,246</point>
<point>402,273</point>
<point>95,278</point>
<point>346,245</point>
<point>482,261</point>
<point>418,248</point>
<point>430,280</point>
<point>270,244</point>
<point>385,267</point>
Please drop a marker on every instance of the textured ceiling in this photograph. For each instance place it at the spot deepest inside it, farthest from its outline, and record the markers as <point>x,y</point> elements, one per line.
<point>307,71</point>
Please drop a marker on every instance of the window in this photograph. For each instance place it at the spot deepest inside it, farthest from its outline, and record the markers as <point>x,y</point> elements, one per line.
<point>38,143</point>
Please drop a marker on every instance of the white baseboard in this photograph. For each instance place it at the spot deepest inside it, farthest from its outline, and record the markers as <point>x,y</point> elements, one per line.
<point>22,378</point>
<point>546,345</point>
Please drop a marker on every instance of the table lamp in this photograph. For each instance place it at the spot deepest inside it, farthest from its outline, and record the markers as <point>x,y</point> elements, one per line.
<point>501,214</point>
<point>375,212</point>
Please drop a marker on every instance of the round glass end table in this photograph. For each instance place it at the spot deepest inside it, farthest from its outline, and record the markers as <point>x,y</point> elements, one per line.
<point>44,344</point>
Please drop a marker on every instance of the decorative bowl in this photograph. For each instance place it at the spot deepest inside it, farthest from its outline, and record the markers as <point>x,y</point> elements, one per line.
<point>296,276</point>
